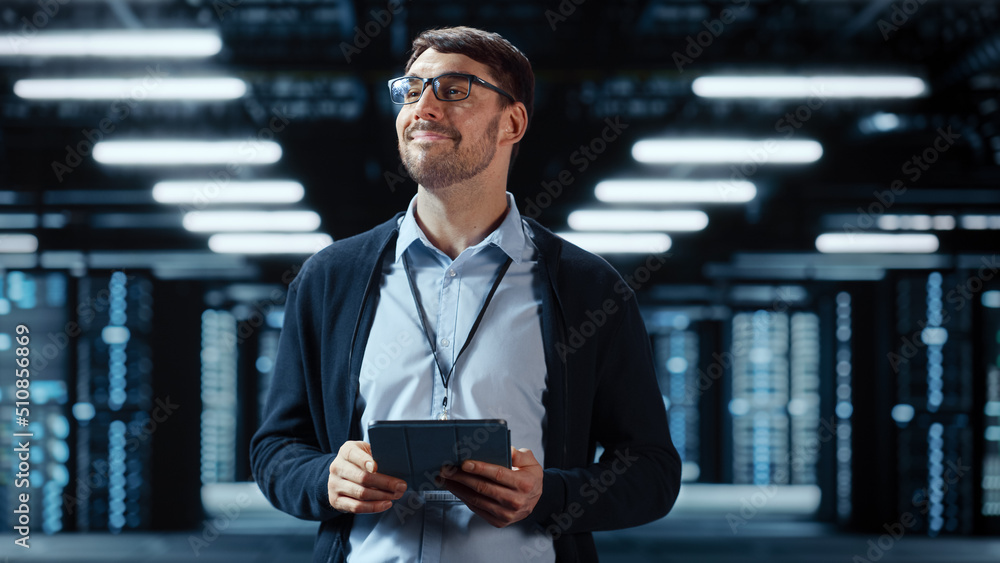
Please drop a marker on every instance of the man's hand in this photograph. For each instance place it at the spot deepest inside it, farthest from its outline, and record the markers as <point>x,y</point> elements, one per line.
<point>499,495</point>
<point>354,486</point>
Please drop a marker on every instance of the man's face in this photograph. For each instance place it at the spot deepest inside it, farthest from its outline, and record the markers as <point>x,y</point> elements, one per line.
<point>443,143</point>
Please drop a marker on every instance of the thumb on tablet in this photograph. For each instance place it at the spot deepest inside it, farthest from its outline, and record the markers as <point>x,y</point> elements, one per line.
<point>522,457</point>
<point>368,462</point>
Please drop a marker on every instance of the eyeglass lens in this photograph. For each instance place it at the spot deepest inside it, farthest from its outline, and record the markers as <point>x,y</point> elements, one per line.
<point>450,87</point>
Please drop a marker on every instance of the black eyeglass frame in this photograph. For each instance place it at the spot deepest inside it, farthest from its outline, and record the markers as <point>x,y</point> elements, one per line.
<point>434,86</point>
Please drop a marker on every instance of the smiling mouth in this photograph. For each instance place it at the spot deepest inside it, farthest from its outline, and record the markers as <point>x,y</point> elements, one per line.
<point>428,136</point>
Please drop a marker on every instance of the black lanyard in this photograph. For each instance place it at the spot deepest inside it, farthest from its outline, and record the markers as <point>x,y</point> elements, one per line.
<point>472,332</point>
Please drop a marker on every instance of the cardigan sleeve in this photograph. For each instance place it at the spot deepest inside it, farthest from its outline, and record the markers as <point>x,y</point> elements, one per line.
<point>637,478</point>
<point>289,464</point>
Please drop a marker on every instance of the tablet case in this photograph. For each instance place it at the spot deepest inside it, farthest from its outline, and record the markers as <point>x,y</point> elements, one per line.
<point>415,450</point>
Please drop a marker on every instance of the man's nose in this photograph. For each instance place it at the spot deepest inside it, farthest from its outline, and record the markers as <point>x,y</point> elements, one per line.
<point>428,107</point>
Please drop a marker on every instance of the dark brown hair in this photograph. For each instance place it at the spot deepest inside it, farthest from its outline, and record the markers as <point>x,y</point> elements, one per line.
<point>509,66</point>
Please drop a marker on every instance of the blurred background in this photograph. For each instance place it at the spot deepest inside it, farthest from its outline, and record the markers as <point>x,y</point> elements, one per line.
<point>803,194</point>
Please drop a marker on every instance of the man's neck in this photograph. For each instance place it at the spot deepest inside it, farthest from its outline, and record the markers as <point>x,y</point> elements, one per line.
<point>453,223</point>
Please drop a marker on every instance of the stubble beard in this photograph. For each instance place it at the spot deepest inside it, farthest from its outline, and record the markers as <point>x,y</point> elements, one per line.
<point>441,171</point>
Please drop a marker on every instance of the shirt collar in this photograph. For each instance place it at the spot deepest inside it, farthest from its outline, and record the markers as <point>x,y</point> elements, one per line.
<point>509,236</point>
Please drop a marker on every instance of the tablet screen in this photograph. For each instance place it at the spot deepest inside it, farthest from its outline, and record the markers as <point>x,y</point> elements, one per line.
<point>415,450</point>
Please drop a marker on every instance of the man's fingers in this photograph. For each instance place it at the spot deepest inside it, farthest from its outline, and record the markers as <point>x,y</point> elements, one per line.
<point>492,472</point>
<point>485,507</point>
<point>522,457</point>
<point>354,506</point>
<point>355,474</point>
<point>360,492</point>
<point>383,482</point>
<point>354,486</point>
<point>499,495</point>
<point>359,454</point>
<point>355,464</point>
<point>483,488</point>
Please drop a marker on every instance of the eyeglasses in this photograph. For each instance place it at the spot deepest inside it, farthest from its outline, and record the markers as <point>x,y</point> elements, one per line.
<point>452,87</point>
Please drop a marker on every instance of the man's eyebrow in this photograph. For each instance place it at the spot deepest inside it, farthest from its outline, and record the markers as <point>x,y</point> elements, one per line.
<point>442,73</point>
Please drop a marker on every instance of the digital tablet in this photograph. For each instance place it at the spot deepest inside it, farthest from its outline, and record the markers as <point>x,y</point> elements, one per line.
<point>415,450</point>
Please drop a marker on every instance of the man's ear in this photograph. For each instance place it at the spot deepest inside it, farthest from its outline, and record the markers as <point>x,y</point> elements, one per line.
<point>514,124</point>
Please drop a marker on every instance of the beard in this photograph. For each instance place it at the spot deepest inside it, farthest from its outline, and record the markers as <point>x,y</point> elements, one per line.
<point>462,162</point>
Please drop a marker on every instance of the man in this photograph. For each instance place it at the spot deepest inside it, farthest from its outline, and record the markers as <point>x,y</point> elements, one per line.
<point>383,326</point>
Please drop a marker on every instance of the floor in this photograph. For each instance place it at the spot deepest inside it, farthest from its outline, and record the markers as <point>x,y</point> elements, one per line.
<point>695,540</point>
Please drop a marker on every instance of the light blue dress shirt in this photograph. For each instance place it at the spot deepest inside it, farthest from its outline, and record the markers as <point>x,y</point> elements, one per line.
<point>501,375</point>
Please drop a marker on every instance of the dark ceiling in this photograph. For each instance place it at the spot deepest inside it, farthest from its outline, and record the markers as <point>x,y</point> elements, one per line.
<point>631,61</point>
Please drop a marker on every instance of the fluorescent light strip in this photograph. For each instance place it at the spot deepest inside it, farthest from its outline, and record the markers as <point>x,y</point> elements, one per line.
<point>138,88</point>
<point>268,243</point>
<point>16,244</point>
<point>674,191</point>
<point>916,222</point>
<point>143,43</point>
<point>980,222</point>
<point>215,221</point>
<point>211,193</point>
<point>620,243</point>
<point>162,153</point>
<point>841,243</point>
<point>18,221</point>
<point>613,220</point>
<point>881,121</point>
<point>809,86</point>
<point>718,151</point>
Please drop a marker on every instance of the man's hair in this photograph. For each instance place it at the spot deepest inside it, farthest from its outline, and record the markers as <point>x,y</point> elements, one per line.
<point>507,63</point>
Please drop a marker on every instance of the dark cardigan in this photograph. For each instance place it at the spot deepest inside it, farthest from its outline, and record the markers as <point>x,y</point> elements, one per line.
<point>601,388</point>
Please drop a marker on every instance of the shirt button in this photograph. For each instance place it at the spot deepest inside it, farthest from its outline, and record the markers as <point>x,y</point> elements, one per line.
<point>445,342</point>
<point>452,273</point>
